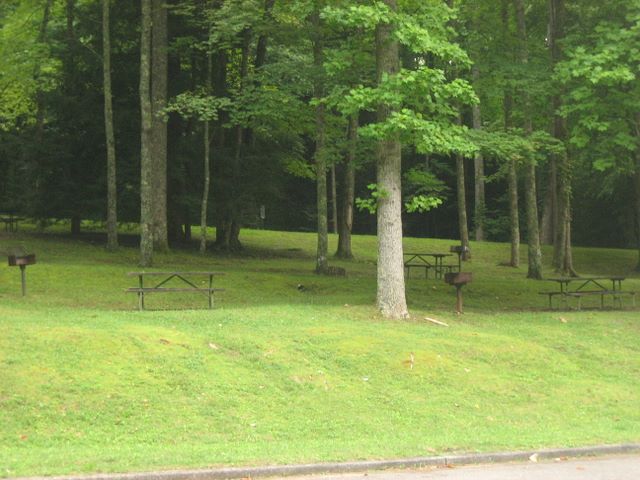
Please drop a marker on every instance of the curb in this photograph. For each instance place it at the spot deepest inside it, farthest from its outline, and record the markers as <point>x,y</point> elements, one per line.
<point>354,467</point>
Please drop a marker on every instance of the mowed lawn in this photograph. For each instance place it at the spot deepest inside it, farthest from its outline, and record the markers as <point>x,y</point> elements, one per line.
<point>278,374</point>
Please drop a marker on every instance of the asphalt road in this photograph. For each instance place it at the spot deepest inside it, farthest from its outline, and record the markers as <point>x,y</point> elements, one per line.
<point>608,468</point>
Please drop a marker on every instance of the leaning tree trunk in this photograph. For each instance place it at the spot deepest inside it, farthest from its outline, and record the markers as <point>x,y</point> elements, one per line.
<point>345,224</point>
<point>533,233</point>
<point>159,72</point>
<point>390,296</point>
<point>112,202</point>
<point>146,166</point>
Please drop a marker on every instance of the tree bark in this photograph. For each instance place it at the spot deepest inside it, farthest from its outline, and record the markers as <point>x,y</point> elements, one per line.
<point>533,233</point>
<point>512,174</point>
<point>390,296</point>
<point>207,170</point>
<point>70,86</point>
<point>562,257</point>
<point>322,263</point>
<point>462,204</point>
<point>334,200</point>
<point>461,192</point>
<point>76,225</point>
<point>514,215</point>
<point>345,224</point>
<point>637,186</point>
<point>261,48</point>
<point>228,230</point>
<point>478,167</point>
<point>146,166</point>
<point>42,35</point>
<point>158,147</point>
<point>550,206</point>
<point>112,202</point>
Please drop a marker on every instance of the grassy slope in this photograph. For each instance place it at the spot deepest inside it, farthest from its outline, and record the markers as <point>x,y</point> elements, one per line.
<point>277,375</point>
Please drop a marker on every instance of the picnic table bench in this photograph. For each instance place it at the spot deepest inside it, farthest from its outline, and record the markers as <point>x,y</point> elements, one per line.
<point>428,261</point>
<point>589,287</point>
<point>165,277</point>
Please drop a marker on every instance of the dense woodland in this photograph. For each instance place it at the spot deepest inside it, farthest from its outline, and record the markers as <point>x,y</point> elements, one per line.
<point>502,120</point>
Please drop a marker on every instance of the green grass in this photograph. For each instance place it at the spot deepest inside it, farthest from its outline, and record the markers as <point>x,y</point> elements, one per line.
<point>276,375</point>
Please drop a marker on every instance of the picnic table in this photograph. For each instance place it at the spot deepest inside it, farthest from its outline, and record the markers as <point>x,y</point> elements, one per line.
<point>10,222</point>
<point>165,277</point>
<point>428,261</point>
<point>580,287</point>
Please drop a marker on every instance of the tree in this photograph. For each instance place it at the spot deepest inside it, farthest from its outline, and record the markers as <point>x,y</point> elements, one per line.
<point>146,162</point>
<point>391,295</point>
<point>345,224</point>
<point>322,263</point>
<point>112,202</point>
<point>478,167</point>
<point>533,235</point>
<point>158,146</point>
<point>600,74</point>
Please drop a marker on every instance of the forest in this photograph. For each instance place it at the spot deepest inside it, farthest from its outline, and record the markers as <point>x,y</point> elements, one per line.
<point>504,120</point>
<point>336,171</point>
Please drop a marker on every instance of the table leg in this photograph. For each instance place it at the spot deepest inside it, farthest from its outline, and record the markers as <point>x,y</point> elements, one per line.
<point>23,278</point>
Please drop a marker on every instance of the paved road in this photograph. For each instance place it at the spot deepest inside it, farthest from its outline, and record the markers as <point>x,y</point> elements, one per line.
<point>609,468</point>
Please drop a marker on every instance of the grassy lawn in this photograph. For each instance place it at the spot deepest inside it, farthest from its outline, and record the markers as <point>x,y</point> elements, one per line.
<point>274,374</point>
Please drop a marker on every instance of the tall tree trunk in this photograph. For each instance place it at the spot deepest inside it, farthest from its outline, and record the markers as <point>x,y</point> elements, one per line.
<point>322,262</point>
<point>550,206</point>
<point>146,165</point>
<point>478,167</point>
<point>112,202</point>
<point>70,85</point>
<point>228,229</point>
<point>159,72</point>
<point>345,224</point>
<point>334,199</point>
<point>514,215</point>
<point>206,172</point>
<point>562,257</point>
<point>261,48</point>
<point>76,225</point>
<point>461,192</point>
<point>42,35</point>
<point>462,204</point>
<point>533,233</point>
<point>390,296</point>
<point>512,174</point>
<point>637,186</point>
<point>221,195</point>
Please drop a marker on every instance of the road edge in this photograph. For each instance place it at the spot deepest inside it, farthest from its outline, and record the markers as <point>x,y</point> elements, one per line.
<point>359,466</point>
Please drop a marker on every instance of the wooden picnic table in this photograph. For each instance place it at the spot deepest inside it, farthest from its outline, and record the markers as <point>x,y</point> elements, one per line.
<point>579,287</point>
<point>165,277</point>
<point>428,261</point>
<point>11,223</point>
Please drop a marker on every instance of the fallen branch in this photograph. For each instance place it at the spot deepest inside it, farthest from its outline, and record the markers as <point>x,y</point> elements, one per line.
<point>437,322</point>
